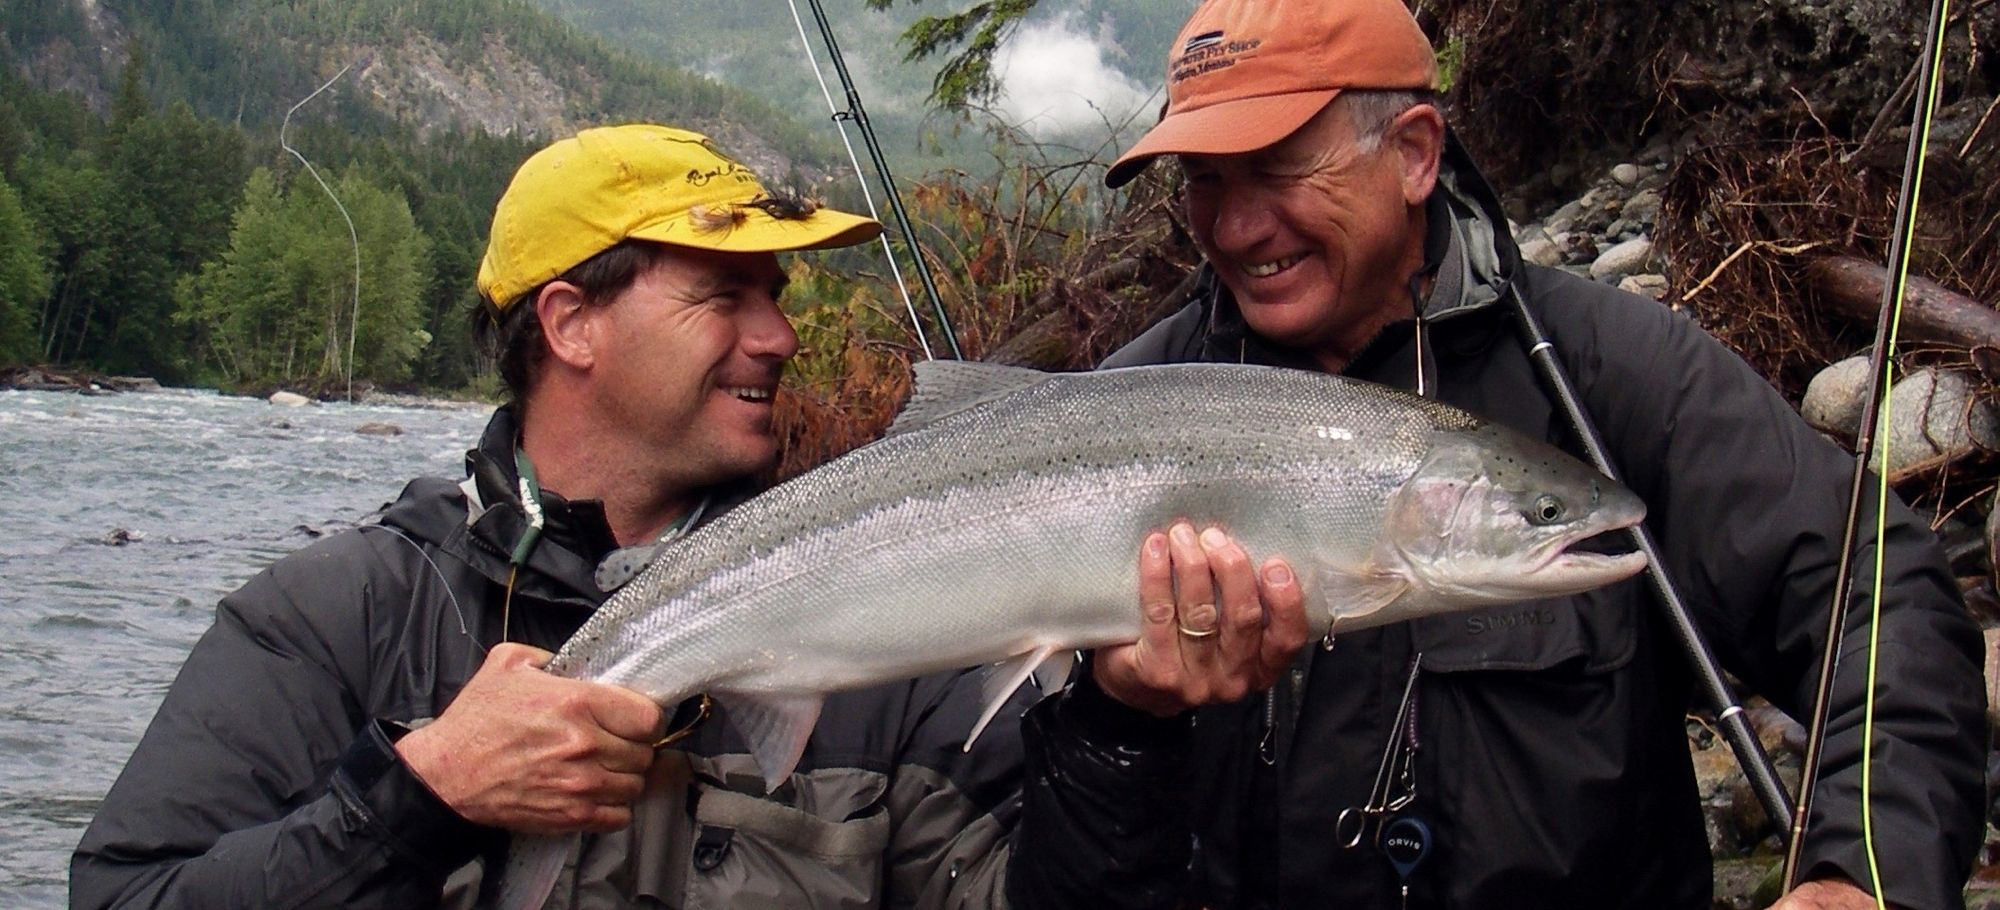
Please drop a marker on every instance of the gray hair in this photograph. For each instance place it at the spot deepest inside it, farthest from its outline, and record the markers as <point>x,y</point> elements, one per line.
<point>1372,110</point>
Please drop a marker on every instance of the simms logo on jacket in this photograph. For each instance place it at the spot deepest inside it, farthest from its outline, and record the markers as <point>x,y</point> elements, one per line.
<point>1538,616</point>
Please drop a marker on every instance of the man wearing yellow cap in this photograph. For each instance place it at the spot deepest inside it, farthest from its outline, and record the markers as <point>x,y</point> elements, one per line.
<point>366,723</point>
<point>1535,755</point>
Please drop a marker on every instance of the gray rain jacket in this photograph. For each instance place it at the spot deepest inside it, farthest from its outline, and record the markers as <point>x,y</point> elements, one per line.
<point>268,778</point>
<point>1552,764</point>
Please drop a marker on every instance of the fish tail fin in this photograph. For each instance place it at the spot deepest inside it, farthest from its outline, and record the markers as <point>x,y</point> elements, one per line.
<point>533,864</point>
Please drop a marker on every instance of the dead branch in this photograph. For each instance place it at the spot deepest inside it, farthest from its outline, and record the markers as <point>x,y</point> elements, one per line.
<point>1932,314</point>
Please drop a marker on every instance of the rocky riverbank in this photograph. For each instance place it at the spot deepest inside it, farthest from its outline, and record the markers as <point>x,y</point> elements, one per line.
<point>54,379</point>
<point>50,379</point>
<point>1606,234</point>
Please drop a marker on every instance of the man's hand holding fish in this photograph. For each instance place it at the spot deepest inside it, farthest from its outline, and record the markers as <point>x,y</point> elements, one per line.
<point>524,750</point>
<point>1216,627</point>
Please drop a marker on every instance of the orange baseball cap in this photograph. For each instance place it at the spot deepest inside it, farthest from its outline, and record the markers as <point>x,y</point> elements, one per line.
<point>1244,74</point>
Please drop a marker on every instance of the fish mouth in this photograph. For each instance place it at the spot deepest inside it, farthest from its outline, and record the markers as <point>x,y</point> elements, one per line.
<point>1610,554</point>
<point>1607,567</point>
<point>1608,542</point>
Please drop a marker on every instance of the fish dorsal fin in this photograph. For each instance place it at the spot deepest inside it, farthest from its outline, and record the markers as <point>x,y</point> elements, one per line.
<point>1049,664</point>
<point>775,726</point>
<point>946,387</point>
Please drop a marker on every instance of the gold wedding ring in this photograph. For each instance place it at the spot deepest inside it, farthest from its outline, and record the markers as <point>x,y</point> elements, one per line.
<point>1199,634</point>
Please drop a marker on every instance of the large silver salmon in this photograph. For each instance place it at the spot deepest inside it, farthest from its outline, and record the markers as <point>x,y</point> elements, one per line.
<point>1000,520</point>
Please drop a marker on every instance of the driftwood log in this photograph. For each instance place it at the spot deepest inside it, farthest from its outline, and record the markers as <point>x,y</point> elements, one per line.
<point>55,379</point>
<point>1932,314</point>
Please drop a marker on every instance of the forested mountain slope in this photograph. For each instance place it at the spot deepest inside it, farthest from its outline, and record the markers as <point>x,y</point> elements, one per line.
<point>135,235</point>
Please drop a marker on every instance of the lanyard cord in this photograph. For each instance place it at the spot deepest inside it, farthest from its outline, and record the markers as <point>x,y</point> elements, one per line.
<point>531,504</point>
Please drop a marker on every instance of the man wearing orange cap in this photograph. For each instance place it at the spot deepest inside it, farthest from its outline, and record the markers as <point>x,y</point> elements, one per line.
<point>366,722</point>
<point>1529,756</point>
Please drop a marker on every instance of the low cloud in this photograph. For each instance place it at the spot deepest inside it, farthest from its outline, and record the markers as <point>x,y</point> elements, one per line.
<point>1055,82</point>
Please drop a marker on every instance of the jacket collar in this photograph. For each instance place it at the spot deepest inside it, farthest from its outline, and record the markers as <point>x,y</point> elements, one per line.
<point>480,520</point>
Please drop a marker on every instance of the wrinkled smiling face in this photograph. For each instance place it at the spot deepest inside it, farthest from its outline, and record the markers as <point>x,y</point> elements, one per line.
<point>694,351</point>
<point>1313,235</point>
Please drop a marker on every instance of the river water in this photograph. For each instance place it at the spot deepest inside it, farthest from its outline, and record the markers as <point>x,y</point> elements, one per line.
<point>206,490</point>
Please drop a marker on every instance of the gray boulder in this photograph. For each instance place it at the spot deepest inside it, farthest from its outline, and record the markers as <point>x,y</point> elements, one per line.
<point>1628,258</point>
<point>1541,250</point>
<point>1834,399</point>
<point>1643,207</point>
<point>1937,417</point>
<point>1654,286</point>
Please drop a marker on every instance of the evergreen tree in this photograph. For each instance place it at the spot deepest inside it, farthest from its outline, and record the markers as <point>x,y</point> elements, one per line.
<point>188,172</point>
<point>24,277</point>
<point>395,273</point>
<point>73,201</point>
<point>238,304</point>
<point>175,179</point>
<point>280,304</point>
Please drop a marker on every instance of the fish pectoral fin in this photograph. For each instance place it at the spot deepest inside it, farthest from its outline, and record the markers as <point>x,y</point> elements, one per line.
<point>946,387</point>
<point>1052,673</point>
<point>1006,676</point>
<point>775,726</point>
<point>1351,594</point>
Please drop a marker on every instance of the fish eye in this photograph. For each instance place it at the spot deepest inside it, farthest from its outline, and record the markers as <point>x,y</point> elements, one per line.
<point>1547,510</point>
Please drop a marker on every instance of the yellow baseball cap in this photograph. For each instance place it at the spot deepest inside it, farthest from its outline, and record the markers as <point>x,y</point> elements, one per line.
<point>1244,74</point>
<point>582,195</point>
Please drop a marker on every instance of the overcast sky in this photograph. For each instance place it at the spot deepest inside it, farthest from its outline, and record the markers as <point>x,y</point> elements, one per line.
<point>1054,74</point>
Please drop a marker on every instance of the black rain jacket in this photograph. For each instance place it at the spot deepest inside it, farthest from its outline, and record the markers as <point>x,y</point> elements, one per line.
<point>1553,766</point>
<point>268,778</point>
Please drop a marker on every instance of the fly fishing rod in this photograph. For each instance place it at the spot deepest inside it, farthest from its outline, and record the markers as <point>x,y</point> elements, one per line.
<point>1879,364</point>
<point>859,115</point>
<point>354,321</point>
<point>1714,689</point>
